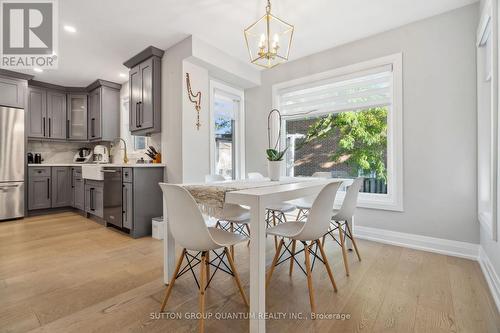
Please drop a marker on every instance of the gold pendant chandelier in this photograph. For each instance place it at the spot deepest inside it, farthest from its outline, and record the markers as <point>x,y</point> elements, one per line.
<point>269,40</point>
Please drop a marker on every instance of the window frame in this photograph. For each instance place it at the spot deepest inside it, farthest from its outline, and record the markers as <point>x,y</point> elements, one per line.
<point>239,146</point>
<point>393,200</point>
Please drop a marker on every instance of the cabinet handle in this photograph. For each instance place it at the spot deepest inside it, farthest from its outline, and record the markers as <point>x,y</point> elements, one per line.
<point>67,128</point>
<point>50,127</point>
<point>92,127</point>
<point>141,117</point>
<point>126,204</point>
<point>137,114</point>
<point>48,188</point>
<point>92,199</point>
<point>43,126</point>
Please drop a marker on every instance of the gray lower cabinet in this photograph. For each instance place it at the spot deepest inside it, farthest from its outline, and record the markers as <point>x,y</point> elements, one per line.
<point>127,205</point>
<point>61,186</point>
<point>139,209</point>
<point>94,199</point>
<point>12,92</point>
<point>39,188</point>
<point>78,189</point>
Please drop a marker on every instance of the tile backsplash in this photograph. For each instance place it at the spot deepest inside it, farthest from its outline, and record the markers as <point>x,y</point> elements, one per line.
<point>63,152</point>
<point>57,152</point>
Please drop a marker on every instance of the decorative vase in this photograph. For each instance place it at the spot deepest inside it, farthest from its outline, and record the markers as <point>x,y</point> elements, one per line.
<point>274,170</point>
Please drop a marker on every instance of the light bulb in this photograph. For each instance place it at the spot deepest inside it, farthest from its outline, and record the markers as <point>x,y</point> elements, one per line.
<point>262,42</point>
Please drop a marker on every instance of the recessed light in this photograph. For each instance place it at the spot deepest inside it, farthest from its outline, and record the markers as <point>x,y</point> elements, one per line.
<point>122,75</point>
<point>69,28</point>
<point>38,70</point>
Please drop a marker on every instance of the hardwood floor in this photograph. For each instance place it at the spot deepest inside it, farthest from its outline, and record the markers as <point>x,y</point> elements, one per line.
<point>64,273</point>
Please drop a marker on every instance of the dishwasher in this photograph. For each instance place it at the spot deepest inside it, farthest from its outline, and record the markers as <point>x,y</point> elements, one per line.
<point>112,196</point>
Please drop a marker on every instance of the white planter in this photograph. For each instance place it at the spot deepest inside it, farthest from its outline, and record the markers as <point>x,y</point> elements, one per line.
<point>274,170</point>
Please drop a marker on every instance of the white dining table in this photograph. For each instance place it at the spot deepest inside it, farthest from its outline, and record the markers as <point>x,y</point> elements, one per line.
<point>257,199</point>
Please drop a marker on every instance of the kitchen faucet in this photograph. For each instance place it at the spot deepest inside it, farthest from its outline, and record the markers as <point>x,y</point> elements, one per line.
<point>125,158</point>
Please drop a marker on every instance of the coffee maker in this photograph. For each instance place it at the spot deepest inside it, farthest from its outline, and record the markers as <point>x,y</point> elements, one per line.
<point>101,154</point>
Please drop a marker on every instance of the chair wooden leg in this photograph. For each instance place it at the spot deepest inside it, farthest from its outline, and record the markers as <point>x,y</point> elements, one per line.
<point>207,270</point>
<point>231,229</point>
<point>309,278</point>
<point>327,265</point>
<point>344,251</point>
<point>275,260</point>
<point>172,281</point>
<point>236,276</point>
<point>248,231</point>
<point>203,266</point>
<point>292,259</point>
<point>353,241</point>
<point>275,238</point>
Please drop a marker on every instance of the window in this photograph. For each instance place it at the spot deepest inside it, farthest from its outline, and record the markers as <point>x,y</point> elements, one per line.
<point>347,122</point>
<point>226,131</point>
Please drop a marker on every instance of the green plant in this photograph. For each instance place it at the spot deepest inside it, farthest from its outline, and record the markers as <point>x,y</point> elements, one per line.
<point>361,137</point>
<point>275,155</point>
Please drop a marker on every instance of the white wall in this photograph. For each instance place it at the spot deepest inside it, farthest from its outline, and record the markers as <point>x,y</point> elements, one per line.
<point>195,143</point>
<point>439,131</point>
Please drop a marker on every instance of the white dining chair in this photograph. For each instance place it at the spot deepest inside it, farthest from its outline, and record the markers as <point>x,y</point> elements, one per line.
<point>342,219</point>
<point>310,231</point>
<point>189,229</point>
<point>233,218</point>
<point>275,213</point>
<point>304,204</point>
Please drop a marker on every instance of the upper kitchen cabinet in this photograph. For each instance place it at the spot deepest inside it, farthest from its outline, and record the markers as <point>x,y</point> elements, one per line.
<point>77,117</point>
<point>13,88</point>
<point>37,111</point>
<point>103,111</point>
<point>47,113</point>
<point>56,114</point>
<point>145,91</point>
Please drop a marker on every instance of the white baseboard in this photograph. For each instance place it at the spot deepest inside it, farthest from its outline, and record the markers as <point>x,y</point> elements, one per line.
<point>418,242</point>
<point>490,275</point>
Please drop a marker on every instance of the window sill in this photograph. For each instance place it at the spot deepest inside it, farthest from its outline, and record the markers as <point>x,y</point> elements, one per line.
<point>375,201</point>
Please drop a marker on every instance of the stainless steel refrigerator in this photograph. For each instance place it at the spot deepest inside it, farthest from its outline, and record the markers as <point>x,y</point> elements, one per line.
<point>12,160</point>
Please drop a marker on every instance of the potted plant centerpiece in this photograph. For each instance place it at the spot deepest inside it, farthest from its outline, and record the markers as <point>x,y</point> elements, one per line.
<point>274,153</point>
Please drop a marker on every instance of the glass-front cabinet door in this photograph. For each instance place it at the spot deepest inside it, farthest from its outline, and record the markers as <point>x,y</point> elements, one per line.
<point>77,117</point>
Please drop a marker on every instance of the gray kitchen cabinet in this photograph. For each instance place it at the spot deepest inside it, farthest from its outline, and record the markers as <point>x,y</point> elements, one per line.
<point>94,199</point>
<point>47,113</point>
<point>12,92</point>
<point>104,111</point>
<point>128,205</point>
<point>39,188</point>
<point>77,117</point>
<point>37,112</point>
<point>94,119</point>
<point>145,92</point>
<point>56,114</point>
<point>61,187</point>
<point>78,189</point>
<point>139,209</point>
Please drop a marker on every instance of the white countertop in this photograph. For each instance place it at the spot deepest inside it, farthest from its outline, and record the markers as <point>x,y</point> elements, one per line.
<point>131,165</point>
